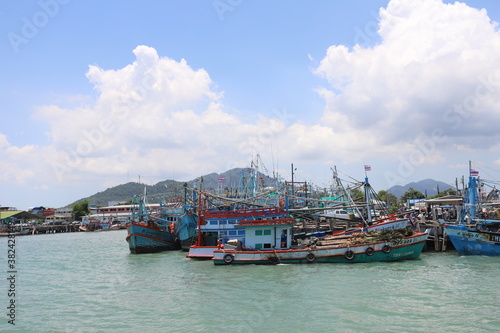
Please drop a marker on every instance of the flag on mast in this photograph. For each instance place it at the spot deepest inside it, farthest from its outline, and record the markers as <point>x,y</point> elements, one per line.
<point>368,167</point>
<point>474,173</point>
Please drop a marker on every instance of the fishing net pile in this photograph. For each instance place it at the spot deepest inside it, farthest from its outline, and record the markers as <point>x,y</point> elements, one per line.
<point>388,235</point>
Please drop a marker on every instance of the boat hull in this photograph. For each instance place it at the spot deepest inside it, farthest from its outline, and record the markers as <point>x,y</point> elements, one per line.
<point>187,243</point>
<point>146,239</point>
<point>387,225</point>
<point>201,252</point>
<point>469,241</point>
<point>408,248</point>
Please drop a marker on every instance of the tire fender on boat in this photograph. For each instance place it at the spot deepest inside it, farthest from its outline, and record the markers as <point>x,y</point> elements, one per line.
<point>228,258</point>
<point>369,251</point>
<point>386,249</point>
<point>274,260</point>
<point>349,255</point>
<point>310,257</point>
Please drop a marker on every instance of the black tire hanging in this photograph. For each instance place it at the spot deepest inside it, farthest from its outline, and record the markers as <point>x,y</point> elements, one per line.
<point>386,249</point>
<point>310,257</point>
<point>349,255</point>
<point>274,260</point>
<point>228,258</point>
<point>369,251</point>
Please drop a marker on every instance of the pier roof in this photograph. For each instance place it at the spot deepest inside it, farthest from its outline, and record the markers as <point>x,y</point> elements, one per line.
<point>18,214</point>
<point>446,200</point>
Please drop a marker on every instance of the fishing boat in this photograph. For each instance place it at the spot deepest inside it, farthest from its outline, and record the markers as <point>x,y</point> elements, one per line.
<point>390,223</point>
<point>187,230</point>
<point>93,224</point>
<point>269,243</point>
<point>366,213</point>
<point>150,232</point>
<point>217,227</point>
<point>473,235</point>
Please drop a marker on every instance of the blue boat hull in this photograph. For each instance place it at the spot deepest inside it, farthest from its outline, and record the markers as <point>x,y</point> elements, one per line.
<point>145,239</point>
<point>470,241</point>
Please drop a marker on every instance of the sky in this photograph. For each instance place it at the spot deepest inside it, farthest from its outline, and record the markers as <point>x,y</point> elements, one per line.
<point>95,94</point>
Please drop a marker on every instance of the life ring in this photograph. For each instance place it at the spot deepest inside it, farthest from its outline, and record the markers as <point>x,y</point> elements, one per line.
<point>228,258</point>
<point>386,249</point>
<point>310,257</point>
<point>349,255</point>
<point>369,251</point>
<point>274,260</point>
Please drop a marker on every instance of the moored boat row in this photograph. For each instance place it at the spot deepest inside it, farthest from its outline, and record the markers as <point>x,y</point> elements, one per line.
<point>237,233</point>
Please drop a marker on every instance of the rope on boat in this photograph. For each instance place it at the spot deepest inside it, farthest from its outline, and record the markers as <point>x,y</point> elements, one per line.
<point>388,235</point>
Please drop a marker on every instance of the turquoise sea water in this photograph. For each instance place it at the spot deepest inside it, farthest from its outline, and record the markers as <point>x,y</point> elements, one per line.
<point>89,282</point>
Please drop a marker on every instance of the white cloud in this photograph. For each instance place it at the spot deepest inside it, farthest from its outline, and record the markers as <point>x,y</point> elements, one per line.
<point>436,67</point>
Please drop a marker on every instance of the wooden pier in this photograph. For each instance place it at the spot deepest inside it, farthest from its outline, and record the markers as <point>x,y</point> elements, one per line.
<point>44,229</point>
<point>438,241</point>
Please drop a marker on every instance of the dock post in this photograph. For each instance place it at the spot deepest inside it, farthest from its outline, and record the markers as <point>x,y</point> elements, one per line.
<point>436,238</point>
<point>444,241</point>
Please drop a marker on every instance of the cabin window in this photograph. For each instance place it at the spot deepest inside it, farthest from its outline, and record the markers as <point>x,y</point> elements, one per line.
<point>232,233</point>
<point>223,222</point>
<point>214,222</point>
<point>267,232</point>
<point>241,232</point>
<point>267,245</point>
<point>258,246</point>
<point>258,232</point>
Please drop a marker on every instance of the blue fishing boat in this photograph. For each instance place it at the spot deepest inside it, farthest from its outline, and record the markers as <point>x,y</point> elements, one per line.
<point>473,235</point>
<point>153,231</point>
<point>187,230</point>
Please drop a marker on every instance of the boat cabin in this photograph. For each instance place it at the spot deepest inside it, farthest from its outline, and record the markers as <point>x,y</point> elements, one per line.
<point>221,224</point>
<point>267,234</point>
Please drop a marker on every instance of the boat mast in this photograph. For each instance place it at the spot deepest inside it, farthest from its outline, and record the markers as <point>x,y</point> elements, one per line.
<point>349,198</point>
<point>201,204</point>
<point>472,193</point>
<point>368,199</point>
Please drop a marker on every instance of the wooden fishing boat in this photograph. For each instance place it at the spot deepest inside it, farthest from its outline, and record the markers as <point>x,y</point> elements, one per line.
<point>473,235</point>
<point>269,243</point>
<point>152,232</point>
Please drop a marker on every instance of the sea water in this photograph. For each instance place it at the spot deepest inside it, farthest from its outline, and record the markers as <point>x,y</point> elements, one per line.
<point>89,282</point>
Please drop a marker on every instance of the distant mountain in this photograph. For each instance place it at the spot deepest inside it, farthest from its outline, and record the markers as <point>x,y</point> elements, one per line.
<point>429,185</point>
<point>126,192</point>
<point>233,178</point>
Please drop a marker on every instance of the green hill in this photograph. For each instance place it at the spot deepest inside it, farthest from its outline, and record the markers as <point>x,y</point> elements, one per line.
<point>235,178</point>
<point>125,192</point>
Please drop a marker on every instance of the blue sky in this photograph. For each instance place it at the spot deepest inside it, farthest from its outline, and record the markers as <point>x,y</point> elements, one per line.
<point>95,93</point>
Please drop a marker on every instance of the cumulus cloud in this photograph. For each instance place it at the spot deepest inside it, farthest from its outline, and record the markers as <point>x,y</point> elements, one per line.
<point>435,67</point>
<point>155,117</point>
<point>430,83</point>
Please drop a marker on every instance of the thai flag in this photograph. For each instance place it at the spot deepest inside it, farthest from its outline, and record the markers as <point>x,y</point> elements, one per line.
<point>474,173</point>
<point>368,167</point>
<point>221,179</point>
